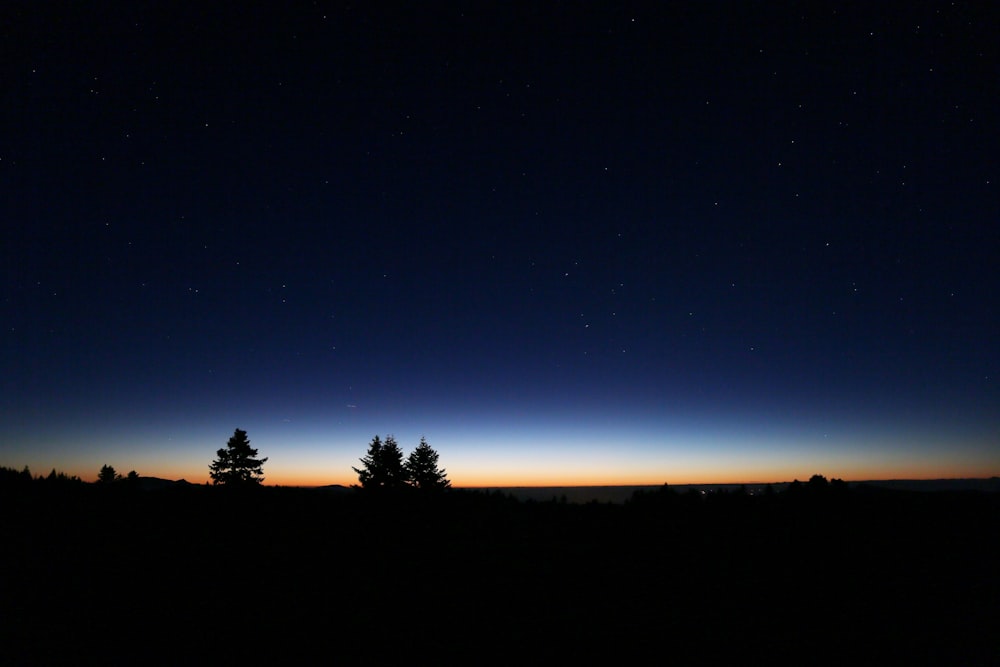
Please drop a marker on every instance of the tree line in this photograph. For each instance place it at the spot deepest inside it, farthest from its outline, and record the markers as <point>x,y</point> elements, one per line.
<point>16,477</point>
<point>237,464</point>
<point>383,467</point>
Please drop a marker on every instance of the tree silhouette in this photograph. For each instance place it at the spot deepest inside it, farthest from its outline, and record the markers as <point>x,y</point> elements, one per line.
<point>382,467</point>
<point>422,468</point>
<point>237,464</point>
<point>15,477</point>
<point>60,478</point>
<point>107,475</point>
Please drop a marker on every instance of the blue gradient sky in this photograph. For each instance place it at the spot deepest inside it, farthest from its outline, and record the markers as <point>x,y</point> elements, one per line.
<point>567,245</point>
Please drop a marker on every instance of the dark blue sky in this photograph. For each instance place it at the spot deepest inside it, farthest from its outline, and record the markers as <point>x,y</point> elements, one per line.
<point>567,243</point>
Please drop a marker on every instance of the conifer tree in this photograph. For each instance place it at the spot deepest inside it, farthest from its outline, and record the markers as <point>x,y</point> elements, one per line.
<point>382,467</point>
<point>422,468</point>
<point>237,464</point>
<point>107,474</point>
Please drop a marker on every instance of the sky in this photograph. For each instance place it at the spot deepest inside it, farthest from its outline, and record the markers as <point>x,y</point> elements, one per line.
<point>568,243</point>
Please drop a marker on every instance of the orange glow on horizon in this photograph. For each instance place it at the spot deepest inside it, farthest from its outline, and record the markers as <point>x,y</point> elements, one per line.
<point>509,477</point>
<point>541,479</point>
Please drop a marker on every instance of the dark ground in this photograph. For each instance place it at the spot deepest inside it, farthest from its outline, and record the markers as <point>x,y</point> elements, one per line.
<point>815,574</point>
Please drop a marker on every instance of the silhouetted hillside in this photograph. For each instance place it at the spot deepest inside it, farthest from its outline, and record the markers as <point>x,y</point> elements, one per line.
<point>866,574</point>
<point>620,494</point>
<point>158,484</point>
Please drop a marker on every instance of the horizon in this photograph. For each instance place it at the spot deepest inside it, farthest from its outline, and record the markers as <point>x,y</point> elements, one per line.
<point>41,473</point>
<point>590,454</point>
<point>802,473</point>
<point>699,456</point>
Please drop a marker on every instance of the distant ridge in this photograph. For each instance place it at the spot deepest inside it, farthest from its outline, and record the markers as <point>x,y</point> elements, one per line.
<point>157,483</point>
<point>988,485</point>
<point>622,493</point>
<point>619,494</point>
<point>331,488</point>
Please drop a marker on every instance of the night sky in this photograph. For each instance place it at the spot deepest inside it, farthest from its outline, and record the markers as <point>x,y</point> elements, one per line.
<point>569,243</point>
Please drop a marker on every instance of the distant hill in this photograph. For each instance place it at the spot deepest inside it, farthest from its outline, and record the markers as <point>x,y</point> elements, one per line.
<point>330,488</point>
<point>619,494</point>
<point>990,485</point>
<point>156,483</point>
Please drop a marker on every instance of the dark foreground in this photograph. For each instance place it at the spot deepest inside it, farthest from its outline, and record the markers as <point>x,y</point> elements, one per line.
<point>816,574</point>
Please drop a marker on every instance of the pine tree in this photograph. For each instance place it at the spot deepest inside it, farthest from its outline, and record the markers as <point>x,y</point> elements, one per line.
<point>382,467</point>
<point>237,464</point>
<point>107,474</point>
<point>422,468</point>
